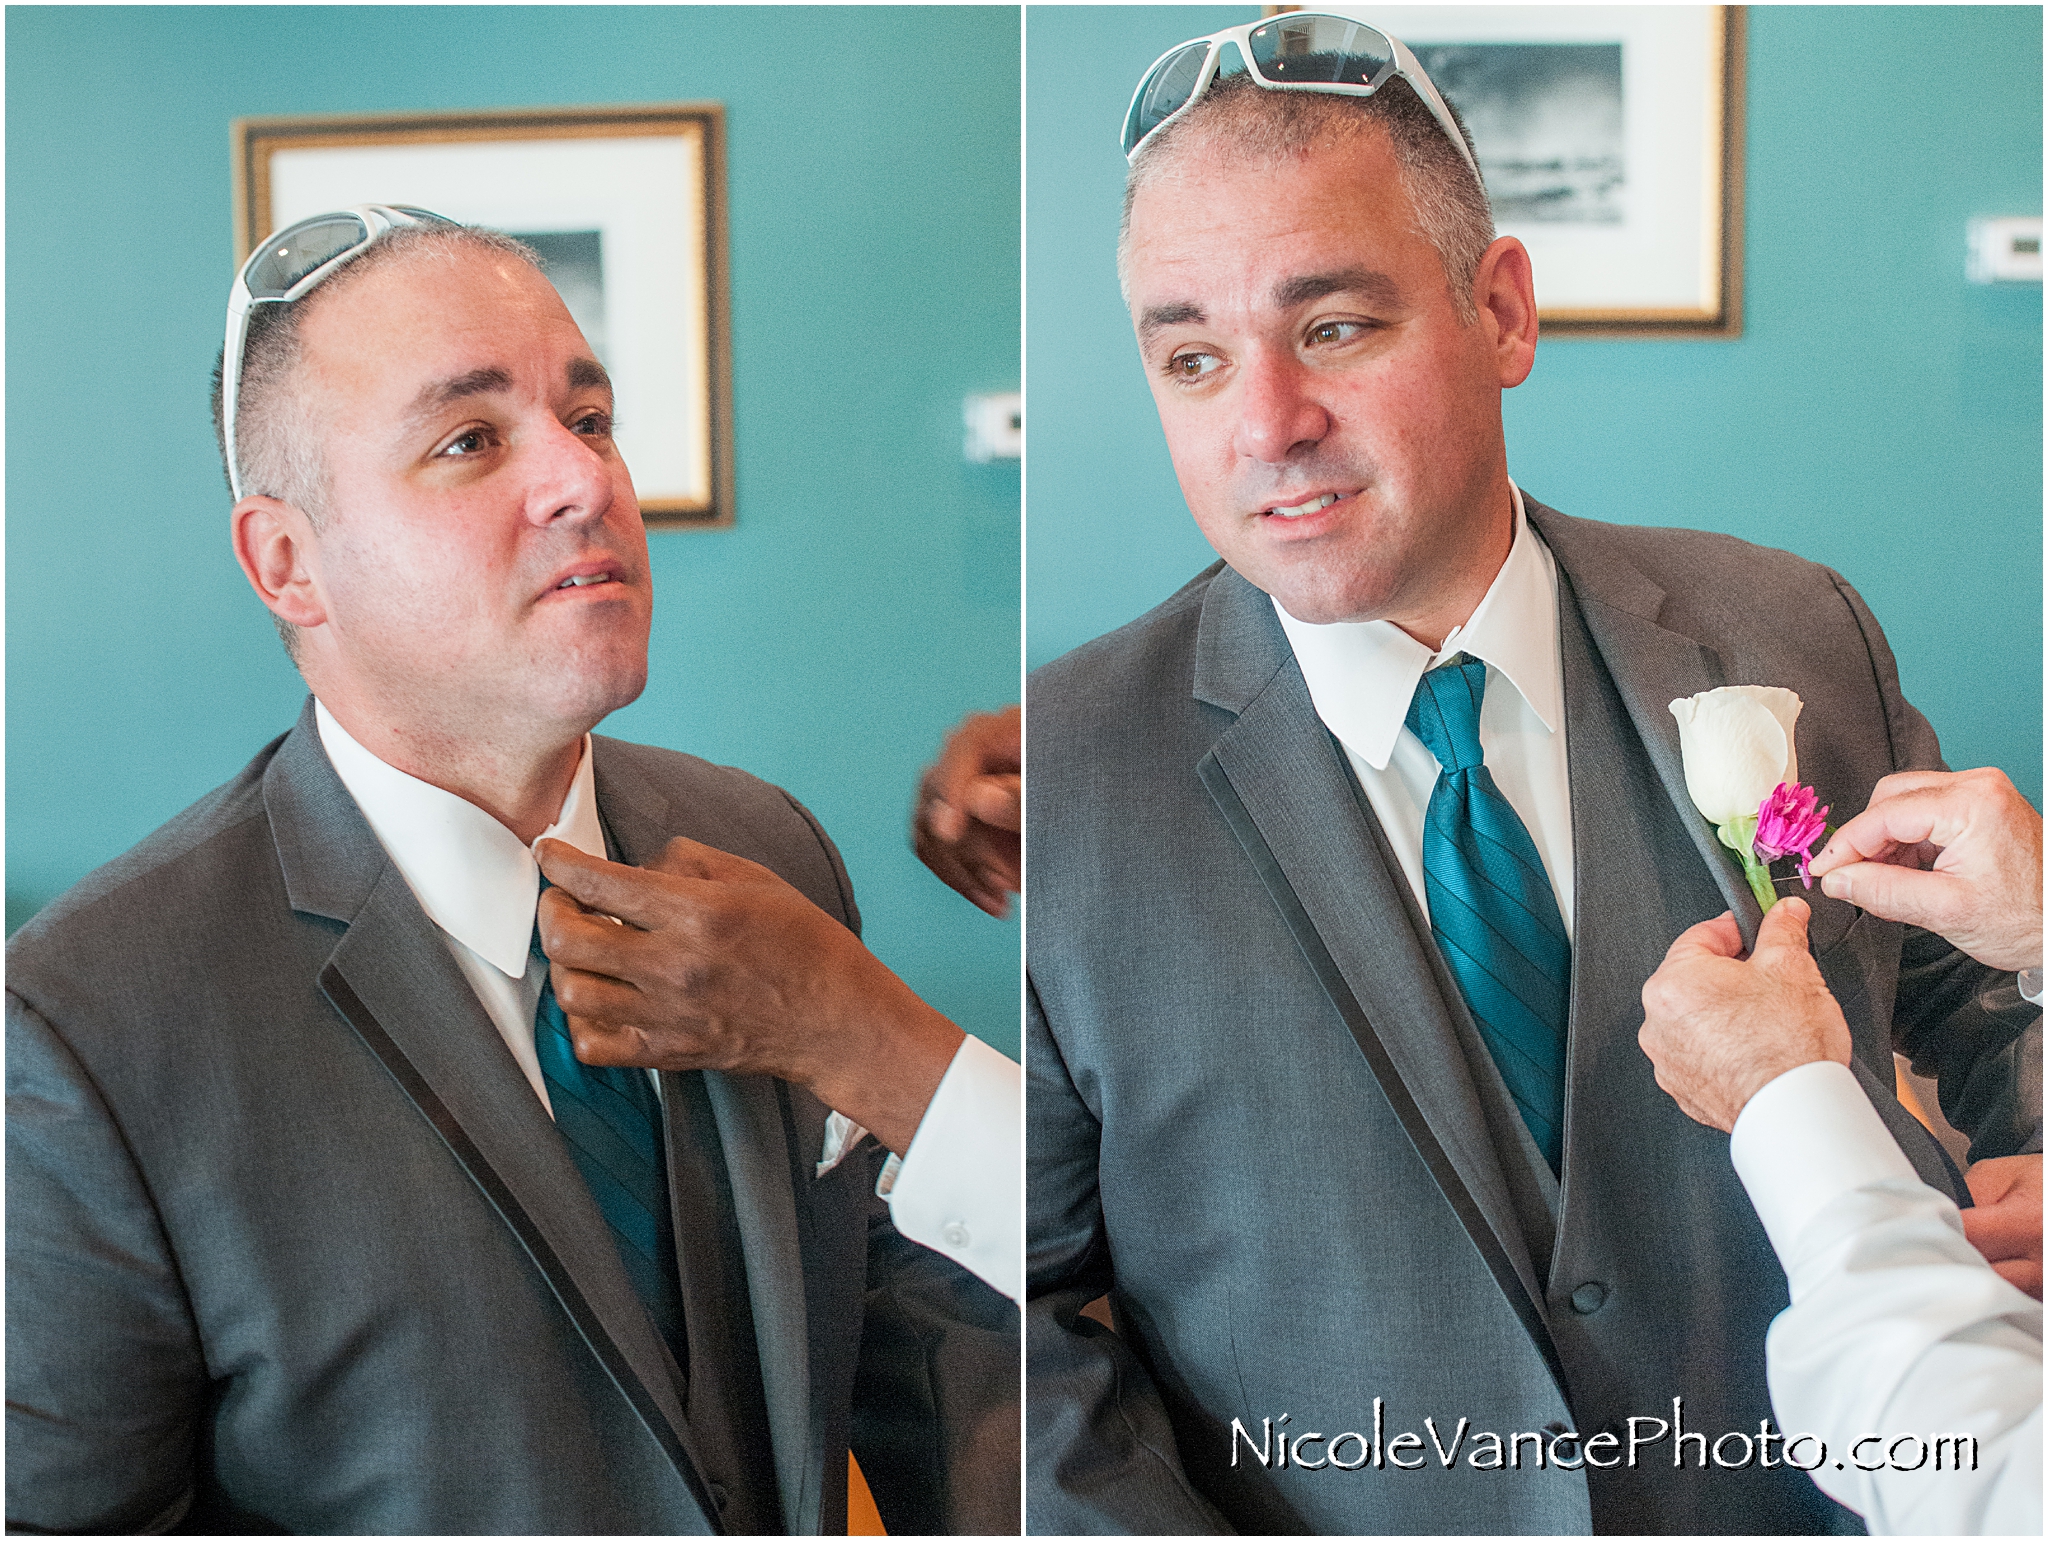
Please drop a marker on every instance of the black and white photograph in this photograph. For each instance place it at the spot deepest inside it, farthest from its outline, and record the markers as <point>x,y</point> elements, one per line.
<point>1547,120</point>
<point>1610,138</point>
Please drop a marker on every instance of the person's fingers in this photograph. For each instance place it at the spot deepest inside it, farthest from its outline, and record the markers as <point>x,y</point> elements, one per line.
<point>2001,1238</point>
<point>985,743</point>
<point>599,998</point>
<point>1900,782</point>
<point>997,800</point>
<point>1884,830</point>
<point>621,1043</point>
<point>1997,1177</point>
<point>1935,901</point>
<point>1783,931</point>
<point>942,820</point>
<point>2021,1273</point>
<point>1716,938</point>
<point>586,940</point>
<point>947,860</point>
<point>609,887</point>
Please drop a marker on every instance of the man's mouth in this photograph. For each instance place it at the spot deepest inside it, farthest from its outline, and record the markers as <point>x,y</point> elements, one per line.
<point>1312,506</point>
<point>583,579</point>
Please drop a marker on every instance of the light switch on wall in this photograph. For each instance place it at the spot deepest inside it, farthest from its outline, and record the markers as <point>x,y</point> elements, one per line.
<point>2005,250</point>
<point>995,427</point>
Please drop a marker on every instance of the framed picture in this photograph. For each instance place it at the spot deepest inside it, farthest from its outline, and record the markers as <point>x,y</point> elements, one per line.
<point>1611,142</point>
<point>626,206</point>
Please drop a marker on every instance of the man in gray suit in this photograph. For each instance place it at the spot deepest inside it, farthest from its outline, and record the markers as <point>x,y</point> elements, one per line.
<point>316,1221</point>
<point>1336,952</point>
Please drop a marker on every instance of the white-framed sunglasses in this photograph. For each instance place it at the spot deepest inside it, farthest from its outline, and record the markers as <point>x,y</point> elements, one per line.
<point>1300,51</point>
<point>289,266</point>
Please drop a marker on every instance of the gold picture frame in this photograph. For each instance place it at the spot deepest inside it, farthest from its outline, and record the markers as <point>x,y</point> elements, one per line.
<point>627,203</point>
<point>1658,252</point>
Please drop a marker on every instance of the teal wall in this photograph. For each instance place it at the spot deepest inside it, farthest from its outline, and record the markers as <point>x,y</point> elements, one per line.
<point>867,597</point>
<point>1879,414</point>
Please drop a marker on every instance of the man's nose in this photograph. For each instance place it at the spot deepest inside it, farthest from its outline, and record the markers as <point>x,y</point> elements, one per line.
<point>571,477</point>
<point>1278,413</point>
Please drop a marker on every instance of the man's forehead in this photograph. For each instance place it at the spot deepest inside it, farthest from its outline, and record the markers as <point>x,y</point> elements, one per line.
<point>437,316</point>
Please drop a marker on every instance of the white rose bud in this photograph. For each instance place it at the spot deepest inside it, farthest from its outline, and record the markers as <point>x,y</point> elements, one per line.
<point>1737,744</point>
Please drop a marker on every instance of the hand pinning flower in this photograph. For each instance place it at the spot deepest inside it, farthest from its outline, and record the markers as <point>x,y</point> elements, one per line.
<point>1739,758</point>
<point>1791,819</point>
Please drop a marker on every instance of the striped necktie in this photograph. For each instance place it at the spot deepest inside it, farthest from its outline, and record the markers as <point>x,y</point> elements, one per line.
<point>610,1119</point>
<point>1491,906</point>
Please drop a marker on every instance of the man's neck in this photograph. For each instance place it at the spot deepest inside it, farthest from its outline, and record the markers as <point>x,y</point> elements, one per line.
<point>1433,624</point>
<point>521,781</point>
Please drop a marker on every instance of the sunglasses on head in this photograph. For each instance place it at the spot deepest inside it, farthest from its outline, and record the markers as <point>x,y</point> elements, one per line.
<point>289,266</point>
<point>1301,51</point>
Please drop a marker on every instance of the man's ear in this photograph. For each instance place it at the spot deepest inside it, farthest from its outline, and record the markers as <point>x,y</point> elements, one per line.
<point>1505,292</point>
<point>275,544</point>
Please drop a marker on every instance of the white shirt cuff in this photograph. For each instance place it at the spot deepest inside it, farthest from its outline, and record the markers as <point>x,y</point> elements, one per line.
<point>1806,1139</point>
<point>959,1190</point>
<point>2030,986</point>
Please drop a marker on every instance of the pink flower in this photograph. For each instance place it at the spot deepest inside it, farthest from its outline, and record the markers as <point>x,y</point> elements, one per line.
<point>1787,822</point>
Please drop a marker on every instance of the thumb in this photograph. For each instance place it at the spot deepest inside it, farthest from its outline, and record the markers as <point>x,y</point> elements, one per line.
<point>1783,931</point>
<point>996,800</point>
<point>1926,899</point>
<point>1716,938</point>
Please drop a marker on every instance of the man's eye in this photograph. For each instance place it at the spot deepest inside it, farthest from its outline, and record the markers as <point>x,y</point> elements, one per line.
<point>1192,365</point>
<point>474,442</point>
<point>595,425</point>
<point>1326,333</point>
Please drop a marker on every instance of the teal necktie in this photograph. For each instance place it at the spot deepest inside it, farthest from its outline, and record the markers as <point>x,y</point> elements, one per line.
<point>1491,907</point>
<point>610,1119</point>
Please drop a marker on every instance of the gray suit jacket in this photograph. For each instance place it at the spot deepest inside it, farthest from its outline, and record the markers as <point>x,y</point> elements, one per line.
<point>1261,1118</point>
<point>292,1245</point>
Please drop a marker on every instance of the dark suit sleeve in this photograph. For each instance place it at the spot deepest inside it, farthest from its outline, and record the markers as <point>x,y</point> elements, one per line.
<point>106,1385</point>
<point>935,1411</point>
<point>1103,1459</point>
<point>1958,1021</point>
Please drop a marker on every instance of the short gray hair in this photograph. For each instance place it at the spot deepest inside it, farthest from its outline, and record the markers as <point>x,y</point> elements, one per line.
<point>1237,117</point>
<point>277,429</point>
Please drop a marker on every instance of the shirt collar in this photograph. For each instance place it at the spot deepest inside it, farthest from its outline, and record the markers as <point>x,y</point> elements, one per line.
<point>1362,674</point>
<point>469,872</point>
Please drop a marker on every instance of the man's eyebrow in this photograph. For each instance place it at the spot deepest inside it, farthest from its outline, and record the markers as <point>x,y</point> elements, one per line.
<point>583,374</point>
<point>1373,287</point>
<point>436,394</point>
<point>1159,317</point>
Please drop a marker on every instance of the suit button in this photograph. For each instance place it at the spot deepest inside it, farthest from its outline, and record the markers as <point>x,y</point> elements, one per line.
<point>954,1234</point>
<point>718,1495</point>
<point>1588,1298</point>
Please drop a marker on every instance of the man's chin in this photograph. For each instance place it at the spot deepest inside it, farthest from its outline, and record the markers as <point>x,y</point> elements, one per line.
<point>1315,599</point>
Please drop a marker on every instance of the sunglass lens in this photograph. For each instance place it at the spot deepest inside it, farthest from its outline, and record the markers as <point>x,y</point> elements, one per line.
<point>1165,91</point>
<point>291,254</point>
<point>1320,50</point>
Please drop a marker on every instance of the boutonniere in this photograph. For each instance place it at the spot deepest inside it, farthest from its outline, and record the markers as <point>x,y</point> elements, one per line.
<point>1742,772</point>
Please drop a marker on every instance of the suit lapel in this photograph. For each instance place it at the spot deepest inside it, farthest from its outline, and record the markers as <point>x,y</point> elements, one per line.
<point>1651,666</point>
<point>756,1135</point>
<point>395,983</point>
<point>1278,777</point>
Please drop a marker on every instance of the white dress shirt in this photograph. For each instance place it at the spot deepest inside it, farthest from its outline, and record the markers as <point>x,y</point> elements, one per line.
<point>476,880</point>
<point>1362,676</point>
<point>1897,1326</point>
<point>959,1191</point>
